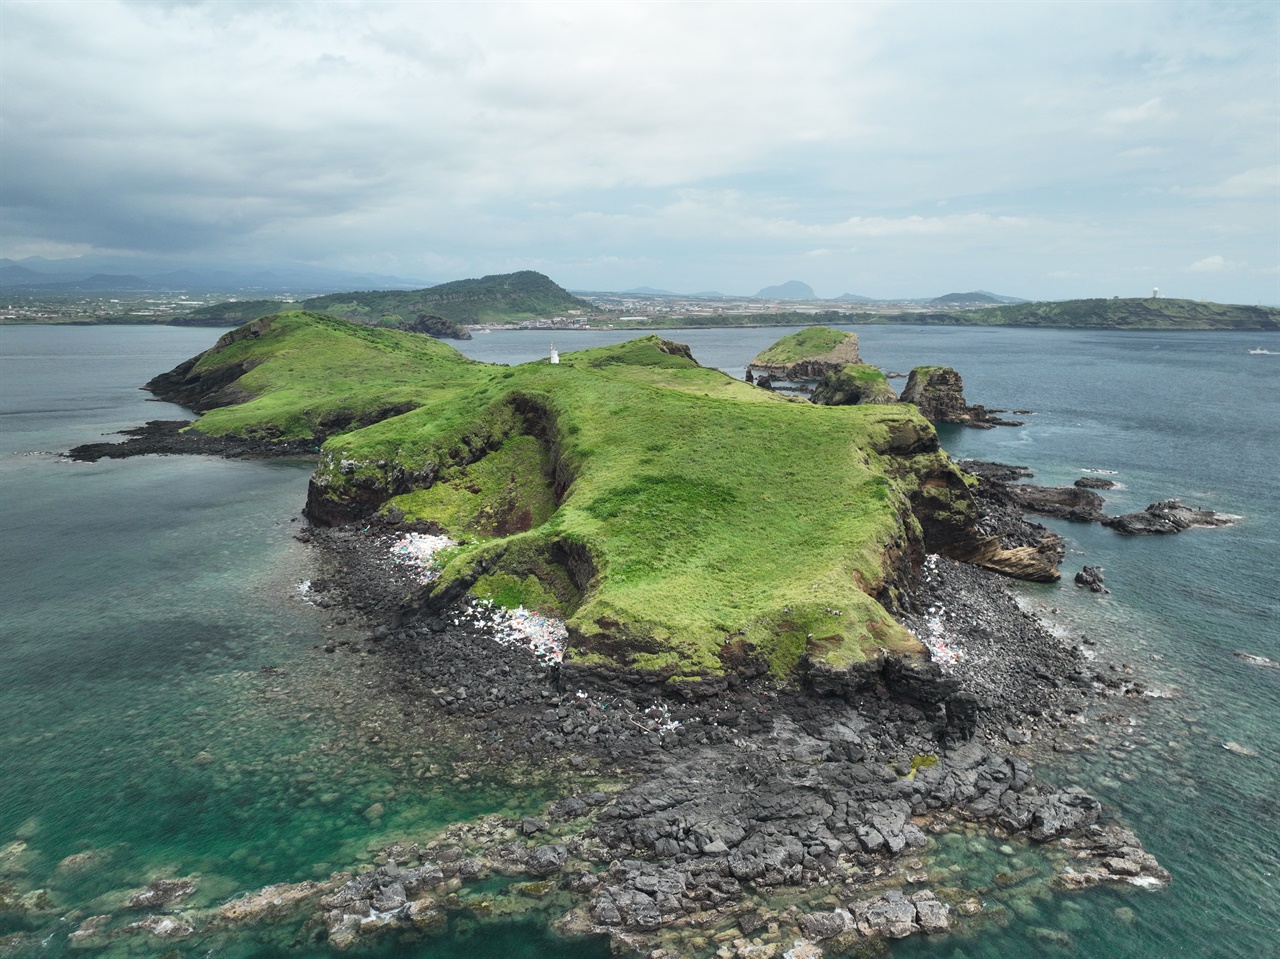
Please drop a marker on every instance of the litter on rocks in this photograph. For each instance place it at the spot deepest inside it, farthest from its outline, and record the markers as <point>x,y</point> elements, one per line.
<point>420,550</point>
<point>544,636</point>
<point>943,644</point>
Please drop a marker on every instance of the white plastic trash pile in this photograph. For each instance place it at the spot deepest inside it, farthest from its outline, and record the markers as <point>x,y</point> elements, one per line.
<point>544,636</point>
<point>938,640</point>
<point>419,550</point>
<point>943,644</point>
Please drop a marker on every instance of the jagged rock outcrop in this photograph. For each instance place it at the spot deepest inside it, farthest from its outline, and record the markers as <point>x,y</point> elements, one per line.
<point>1091,576</point>
<point>852,384</point>
<point>938,392</point>
<point>957,525</point>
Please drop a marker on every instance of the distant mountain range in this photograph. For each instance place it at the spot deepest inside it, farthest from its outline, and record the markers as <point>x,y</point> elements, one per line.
<point>124,274</point>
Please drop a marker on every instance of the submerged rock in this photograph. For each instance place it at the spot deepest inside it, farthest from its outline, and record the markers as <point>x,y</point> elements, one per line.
<point>162,892</point>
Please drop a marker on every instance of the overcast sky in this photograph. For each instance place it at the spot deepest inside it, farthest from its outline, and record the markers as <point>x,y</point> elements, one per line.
<point>1034,149</point>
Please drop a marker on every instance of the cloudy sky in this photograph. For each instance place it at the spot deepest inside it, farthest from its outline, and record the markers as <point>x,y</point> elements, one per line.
<point>1040,150</point>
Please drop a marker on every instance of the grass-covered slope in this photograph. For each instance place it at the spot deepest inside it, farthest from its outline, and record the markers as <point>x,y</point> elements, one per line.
<point>683,523</point>
<point>691,517</point>
<point>500,298</point>
<point>854,383</point>
<point>813,343</point>
<point>297,374</point>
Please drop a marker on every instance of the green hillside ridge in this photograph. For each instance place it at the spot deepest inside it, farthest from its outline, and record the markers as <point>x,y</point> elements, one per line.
<point>854,383</point>
<point>1102,314</point>
<point>231,313</point>
<point>679,520</point>
<point>499,298</point>
<point>1119,314</point>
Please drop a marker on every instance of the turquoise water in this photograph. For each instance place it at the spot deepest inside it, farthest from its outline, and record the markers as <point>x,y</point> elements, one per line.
<point>142,599</point>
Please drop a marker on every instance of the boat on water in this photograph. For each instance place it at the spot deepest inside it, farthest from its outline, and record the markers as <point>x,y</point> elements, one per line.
<point>1261,351</point>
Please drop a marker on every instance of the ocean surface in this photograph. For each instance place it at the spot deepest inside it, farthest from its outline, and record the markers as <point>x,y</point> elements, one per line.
<point>167,711</point>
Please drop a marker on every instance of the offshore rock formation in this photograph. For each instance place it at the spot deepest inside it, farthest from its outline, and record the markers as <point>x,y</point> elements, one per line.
<point>1167,516</point>
<point>938,392</point>
<point>808,355</point>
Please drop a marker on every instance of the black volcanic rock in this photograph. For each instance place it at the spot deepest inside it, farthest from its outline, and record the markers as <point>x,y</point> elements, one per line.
<point>1167,516</point>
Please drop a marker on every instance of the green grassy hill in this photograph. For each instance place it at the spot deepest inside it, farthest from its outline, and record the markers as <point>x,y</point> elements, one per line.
<point>813,343</point>
<point>501,298</point>
<point>680,520</point>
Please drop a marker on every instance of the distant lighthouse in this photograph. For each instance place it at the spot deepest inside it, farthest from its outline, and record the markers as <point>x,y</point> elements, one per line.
<point>555,357</point>
<point>1155,294</point>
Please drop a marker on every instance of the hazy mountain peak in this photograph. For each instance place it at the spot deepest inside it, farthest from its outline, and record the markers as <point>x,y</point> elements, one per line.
<point>791,290</point>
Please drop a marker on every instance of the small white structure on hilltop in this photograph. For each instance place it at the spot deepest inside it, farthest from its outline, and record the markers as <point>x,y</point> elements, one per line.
<point>555,357</point>
<point>1155,294</point>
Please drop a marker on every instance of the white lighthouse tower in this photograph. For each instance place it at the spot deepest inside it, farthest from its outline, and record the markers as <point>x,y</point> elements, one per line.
<point>555,357</point>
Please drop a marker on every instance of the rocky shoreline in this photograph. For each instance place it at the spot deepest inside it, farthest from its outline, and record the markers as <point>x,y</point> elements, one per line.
<point>744,820</point>
<point>823,793</point>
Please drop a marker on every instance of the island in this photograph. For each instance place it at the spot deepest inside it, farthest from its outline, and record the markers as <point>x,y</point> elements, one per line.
<point>763,640</point>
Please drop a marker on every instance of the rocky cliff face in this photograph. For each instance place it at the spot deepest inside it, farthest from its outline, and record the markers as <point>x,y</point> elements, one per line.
<point>939,393</point>
<point>208,389</point>
<point>955,524</point>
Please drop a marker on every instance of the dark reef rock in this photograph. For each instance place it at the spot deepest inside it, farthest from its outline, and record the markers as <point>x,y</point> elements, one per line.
<point>1062,502</point>
<point>1094,482</point>
<point>164,437</point>
<point>1167,516</point>
<point>995,472</point>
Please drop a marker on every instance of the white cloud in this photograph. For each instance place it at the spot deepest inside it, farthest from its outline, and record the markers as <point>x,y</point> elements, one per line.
<point>1258,182</point>
<point>1151,110</point>
<point>1214,264</point>
<point>717,139</point>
